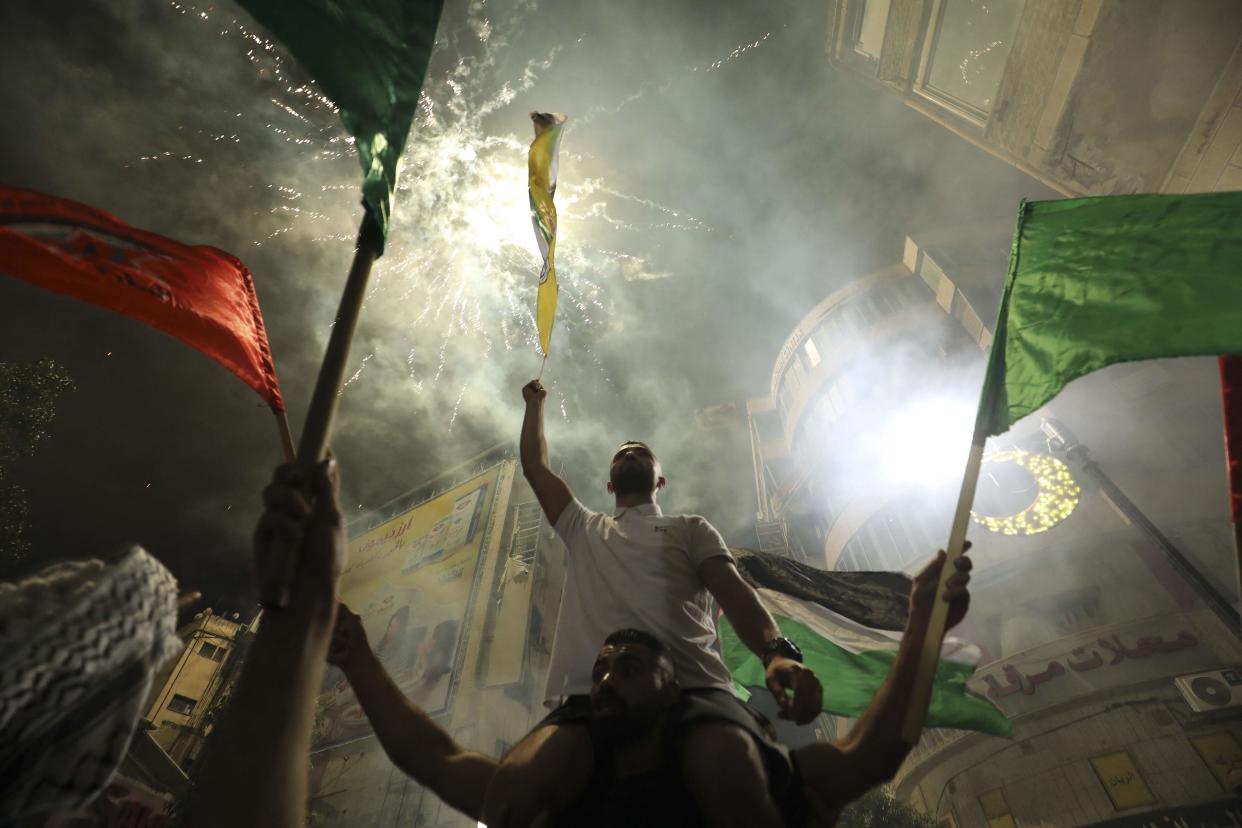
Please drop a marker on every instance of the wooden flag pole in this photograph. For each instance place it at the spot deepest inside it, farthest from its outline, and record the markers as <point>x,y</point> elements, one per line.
<point>277,575</point>
<point>1237,554</point>
<point>286,436</point>
<point>933,636</point>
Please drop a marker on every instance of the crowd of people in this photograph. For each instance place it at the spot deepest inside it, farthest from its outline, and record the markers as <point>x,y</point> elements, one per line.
<point>644,727</point>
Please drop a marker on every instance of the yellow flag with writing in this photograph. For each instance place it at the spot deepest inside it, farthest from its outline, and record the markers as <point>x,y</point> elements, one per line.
<point>542,162</point>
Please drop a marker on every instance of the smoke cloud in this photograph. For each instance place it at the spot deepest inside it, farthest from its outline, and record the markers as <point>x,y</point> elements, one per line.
<point>717,180</point>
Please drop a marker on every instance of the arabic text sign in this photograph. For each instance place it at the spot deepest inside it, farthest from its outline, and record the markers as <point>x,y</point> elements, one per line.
<point>1098,660</point>
<point>1121,779</point>
<point>410,579</point>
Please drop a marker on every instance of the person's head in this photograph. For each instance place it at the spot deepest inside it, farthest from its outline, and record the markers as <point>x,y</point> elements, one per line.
<point>632,685</point>
<point>635,470</point>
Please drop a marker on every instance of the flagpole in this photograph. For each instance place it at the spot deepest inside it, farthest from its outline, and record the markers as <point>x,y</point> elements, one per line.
<point>1231,398</point>
<point>278,575</point>
<point>286,436</point>
<point>933,635</point>
<point>1237,554</point>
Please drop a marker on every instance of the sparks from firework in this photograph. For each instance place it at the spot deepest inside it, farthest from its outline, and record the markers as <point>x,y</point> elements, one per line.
<point>457,282</point>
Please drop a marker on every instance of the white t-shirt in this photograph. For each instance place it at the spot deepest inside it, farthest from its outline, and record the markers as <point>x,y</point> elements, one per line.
<point>636,569</point>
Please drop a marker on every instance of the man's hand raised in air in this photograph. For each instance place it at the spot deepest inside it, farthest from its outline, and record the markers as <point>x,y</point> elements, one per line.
<point>550,490</point>
<point>534,391</point>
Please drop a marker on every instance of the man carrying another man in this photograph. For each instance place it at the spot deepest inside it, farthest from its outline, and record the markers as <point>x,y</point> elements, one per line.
<point>632,708</point>
<point>639,568</point>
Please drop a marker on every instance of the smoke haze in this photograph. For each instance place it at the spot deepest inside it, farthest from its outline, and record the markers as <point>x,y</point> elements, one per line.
<point>717,179</point>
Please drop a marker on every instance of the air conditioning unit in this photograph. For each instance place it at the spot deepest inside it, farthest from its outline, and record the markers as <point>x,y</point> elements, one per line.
<point>1215,690</point>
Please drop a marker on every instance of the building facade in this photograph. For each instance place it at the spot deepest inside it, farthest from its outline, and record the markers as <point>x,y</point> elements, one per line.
<point>182,708</point>
<point>1092,640</point>
<point>1116,671</point>
<point>1090,97</point>
<point>458,584</point>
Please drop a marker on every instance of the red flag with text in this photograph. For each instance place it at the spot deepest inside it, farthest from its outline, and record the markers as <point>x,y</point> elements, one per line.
<point>199,295</point>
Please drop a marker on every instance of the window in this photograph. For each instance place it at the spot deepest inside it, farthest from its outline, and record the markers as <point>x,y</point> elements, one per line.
<point>812,353</point>
<point>996,809</point>
<point>1122,781</point>
<point>211,651</point>
<point>967,50</point>
<point>182,704</point>
<point>870,21</point>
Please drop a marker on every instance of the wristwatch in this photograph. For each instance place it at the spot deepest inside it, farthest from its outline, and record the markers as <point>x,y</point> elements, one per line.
<point>781,646</point>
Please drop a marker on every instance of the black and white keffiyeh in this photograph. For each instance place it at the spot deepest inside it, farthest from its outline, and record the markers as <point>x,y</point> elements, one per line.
<point>79,645</point>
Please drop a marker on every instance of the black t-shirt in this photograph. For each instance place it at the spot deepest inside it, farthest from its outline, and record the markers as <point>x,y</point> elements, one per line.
<point>655,799</point>
<point>659,799</point>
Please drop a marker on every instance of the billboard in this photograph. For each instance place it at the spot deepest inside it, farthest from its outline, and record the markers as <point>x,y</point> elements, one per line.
<point>411,579</point>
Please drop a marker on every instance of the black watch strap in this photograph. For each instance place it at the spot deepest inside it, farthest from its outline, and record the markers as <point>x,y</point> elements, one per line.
<point>781,646</point>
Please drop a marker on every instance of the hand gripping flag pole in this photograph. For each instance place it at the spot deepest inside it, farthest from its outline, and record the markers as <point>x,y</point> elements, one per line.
<point>277,573</point>
<point>1093,282</point>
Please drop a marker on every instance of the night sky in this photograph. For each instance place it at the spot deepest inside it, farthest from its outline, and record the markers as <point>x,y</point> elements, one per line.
<point>717,180</point>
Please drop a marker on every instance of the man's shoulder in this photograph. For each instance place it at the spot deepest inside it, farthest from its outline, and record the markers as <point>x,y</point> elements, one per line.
<point>695,521</point>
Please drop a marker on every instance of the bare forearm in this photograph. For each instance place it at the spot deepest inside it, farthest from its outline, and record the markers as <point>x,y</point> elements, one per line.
<point>875,740</point>
<point>752,621</point>
<point>411,739</point>
<point>533,446</point>
<point>872,751</point>
<point>288,653</point>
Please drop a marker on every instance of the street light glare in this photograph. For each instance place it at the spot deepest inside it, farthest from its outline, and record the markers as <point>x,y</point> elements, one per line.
<point>926,444</point>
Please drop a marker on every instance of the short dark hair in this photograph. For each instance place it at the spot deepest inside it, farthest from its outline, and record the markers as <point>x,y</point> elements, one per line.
<point>633,636</point>
<point>636,443</point>
<point>629,635</point>
<point>639,443</point>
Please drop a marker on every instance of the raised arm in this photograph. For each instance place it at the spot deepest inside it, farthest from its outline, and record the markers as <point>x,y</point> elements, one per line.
<point>551,491</point>
<point>413,742</point>
<point>870,754</point>
<point>256,768</point>
<point>756,627</point>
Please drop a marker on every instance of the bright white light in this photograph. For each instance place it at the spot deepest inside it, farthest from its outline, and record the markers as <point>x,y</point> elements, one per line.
<point>927,444</point>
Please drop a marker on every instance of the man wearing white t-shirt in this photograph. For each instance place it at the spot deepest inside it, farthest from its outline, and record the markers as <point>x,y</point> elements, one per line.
<point>639,568</point>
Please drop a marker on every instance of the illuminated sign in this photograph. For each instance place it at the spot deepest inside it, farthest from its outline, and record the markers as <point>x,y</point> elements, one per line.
<point>1056,495</point>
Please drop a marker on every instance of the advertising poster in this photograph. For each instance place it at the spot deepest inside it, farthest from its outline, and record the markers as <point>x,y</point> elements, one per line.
<point>410,578</point>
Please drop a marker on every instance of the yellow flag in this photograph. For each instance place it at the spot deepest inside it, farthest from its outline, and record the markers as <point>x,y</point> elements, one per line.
<point>542,168</point>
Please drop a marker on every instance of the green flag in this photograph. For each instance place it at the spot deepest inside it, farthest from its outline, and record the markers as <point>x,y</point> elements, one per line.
<point>1096,281</point>
<point>848,626</point>
<point>370,57</point>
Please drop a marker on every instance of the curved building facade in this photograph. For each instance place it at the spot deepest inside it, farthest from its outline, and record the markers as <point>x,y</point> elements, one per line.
<point>1116,671</point>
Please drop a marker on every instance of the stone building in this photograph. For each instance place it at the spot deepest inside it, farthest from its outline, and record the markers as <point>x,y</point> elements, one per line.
<point>1087,628</point>
<point>1090,97</point>
<point>182,706</point>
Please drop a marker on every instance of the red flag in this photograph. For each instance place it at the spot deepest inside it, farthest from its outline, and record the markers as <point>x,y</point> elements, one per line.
<point>200,295</point>
<point>1231,388</point>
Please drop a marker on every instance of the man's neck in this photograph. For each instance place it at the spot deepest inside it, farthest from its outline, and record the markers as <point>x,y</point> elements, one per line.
<point>629,500</point>
<point>641,756</point>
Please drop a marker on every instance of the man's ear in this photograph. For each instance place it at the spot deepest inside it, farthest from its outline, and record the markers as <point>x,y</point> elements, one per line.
<point>661,482</point>
<point>609,486</point>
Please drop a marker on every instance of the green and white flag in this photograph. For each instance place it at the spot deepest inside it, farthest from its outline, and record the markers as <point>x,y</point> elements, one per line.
<point>848,625</point>
<point>370,57</point>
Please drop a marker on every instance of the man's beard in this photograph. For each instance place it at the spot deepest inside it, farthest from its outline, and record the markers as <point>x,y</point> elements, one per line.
<point>633,479</point>
<point>623,727</point>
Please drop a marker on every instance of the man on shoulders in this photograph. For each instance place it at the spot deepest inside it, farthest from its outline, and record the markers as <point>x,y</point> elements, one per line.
<point>634,703</point>
<point>639,568</point>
